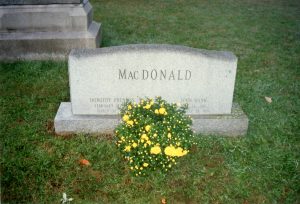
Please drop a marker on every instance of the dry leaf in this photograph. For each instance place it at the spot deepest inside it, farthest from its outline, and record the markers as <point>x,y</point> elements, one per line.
<point>268,99</point>
<point>84,162</point>
<point>163,201</point>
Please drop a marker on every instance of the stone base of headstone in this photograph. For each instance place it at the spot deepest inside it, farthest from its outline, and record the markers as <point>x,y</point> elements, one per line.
<point>65,122</point>
<point>46,31</point>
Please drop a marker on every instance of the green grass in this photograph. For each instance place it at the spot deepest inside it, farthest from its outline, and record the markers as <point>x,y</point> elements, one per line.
<point>263,167</point>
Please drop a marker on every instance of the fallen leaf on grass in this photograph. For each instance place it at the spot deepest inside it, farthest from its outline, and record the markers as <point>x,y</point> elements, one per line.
<point>268,99</point>
<point>84,162</point>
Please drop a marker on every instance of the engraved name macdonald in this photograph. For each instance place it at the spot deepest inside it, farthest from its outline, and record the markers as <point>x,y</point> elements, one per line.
<point>155,74</point>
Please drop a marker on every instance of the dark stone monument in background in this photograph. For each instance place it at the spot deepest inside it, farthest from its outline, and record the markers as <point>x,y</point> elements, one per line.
<point>38,2</point>
<point>46,29</point>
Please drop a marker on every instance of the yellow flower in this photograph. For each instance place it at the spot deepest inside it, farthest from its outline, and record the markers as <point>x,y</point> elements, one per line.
<point>162,111</point>
<point>145,137</point>
<point>175,152</point>
<point>149,142</point>
<point>155,135</point>
<point>127,149</point>
<point>145,164</point>
<point>169,135</point>
<point>147,106</point>
<point>129,122</point>
<point>134,145</point>
<point>156,111</point>
<point>147,128</point>
<point>125,118</point>
<point>179,150</point>
<point>155,150</point>
<point>129,107</point>
<point>169,151</point>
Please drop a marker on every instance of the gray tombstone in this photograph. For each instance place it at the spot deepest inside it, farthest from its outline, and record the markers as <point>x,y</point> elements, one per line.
<point>46,29</point>
<point>101,79</point>
<point>38,2</point>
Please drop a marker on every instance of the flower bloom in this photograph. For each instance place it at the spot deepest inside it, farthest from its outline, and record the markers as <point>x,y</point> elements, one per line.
<point>134,145</point>
<point>147,128</point>
<point>169,135</point>
<point>162,111</point>
<point>175,152</point>
<point>145,137</point>
<point>129,122</point>
<point>129,107</point>
<point>155,150</point>
<point>127,149</point>
<point>125,118</point>
<point>145,164</point>
<point>147,106</point>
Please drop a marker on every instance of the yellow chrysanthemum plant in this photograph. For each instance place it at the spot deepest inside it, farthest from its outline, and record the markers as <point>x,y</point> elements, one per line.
<point>153,135</point>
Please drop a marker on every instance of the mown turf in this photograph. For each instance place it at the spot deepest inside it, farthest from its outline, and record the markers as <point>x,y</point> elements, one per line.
<point>263,167</point>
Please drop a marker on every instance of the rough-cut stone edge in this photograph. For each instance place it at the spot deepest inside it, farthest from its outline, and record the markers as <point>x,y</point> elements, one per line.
<point>90,38</point>
<point>41,2</point>
<point>235,124</point>
<point>79,18</point>
<point>222,55</point>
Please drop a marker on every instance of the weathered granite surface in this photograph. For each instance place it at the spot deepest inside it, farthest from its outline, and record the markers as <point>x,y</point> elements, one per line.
<point>47,45</point>
<point>46,31</point>
<point>102,79</point>
<point>65,122</point>
<point>45,18</point>
<point>38,2</point>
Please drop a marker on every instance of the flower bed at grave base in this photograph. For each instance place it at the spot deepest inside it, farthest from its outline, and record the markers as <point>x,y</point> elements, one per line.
<point>153,135</point>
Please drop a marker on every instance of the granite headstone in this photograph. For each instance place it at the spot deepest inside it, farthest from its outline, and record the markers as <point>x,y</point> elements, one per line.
<point>38,2</point>
<point>46,29</point>
<point>102,79</point>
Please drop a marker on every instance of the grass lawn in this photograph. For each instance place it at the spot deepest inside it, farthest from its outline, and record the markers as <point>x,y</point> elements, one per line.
<point>262,167</point>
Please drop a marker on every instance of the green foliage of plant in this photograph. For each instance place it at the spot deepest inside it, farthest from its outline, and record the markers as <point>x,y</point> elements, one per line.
<point>153,134</point>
